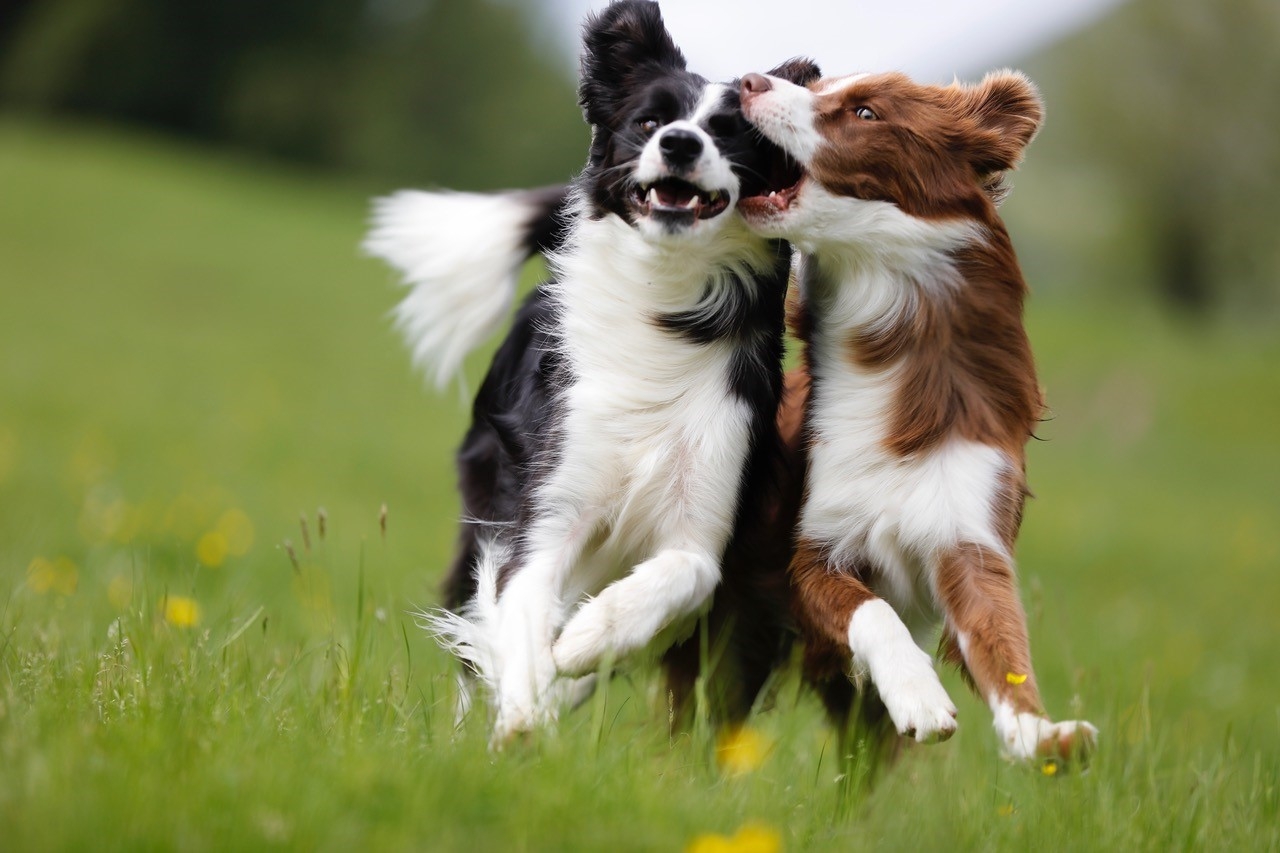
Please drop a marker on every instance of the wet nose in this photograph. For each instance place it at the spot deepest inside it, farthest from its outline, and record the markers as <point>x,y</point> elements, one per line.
<point>680,147</point>
<point>754,84</point>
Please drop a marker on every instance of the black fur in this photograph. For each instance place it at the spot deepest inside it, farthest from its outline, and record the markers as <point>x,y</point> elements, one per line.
<point>546,229</point>
<point>631,71</point>
<point>514,414</point>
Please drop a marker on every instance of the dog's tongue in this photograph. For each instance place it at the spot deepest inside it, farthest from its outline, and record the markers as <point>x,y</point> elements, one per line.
<point>675,195</point>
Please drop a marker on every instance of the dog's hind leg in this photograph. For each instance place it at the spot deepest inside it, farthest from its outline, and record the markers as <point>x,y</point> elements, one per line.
<point>630,613</point>
<point>866,743</point>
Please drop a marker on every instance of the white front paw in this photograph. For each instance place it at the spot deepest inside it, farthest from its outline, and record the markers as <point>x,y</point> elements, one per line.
<point>515,720</point>
<point>638,611</point>
<point>902,673</point>
<point>917,702</point>
<point>1028,737</point>
<point>582,644</point>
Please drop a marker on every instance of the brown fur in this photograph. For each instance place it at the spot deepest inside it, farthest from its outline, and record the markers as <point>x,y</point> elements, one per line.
<point>968,363</point>
<point>979,592</point>
<point>824,598</point>
<point>934,150</point>
<point>965,364</point>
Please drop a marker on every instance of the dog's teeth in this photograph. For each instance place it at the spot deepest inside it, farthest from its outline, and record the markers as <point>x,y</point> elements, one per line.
<point>653,195</point>
<point>691,203</point>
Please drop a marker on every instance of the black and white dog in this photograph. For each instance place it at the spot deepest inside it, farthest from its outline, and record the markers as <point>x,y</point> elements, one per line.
<point>630,410</point>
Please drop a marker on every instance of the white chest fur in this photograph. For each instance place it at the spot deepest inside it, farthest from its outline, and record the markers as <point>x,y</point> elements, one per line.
<point>867,503</point>
<point>654,440</point>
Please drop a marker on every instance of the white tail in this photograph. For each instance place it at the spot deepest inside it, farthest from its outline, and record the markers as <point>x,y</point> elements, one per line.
<point>469,635</point>
<point>460,255</point>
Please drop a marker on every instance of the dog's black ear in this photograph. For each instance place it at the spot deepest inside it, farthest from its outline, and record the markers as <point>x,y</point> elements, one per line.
<point>624,45</point>
<point>799,70</point>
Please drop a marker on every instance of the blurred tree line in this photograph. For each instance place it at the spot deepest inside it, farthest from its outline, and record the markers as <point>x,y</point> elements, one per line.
<point>449,92</point>
<point>1175,105</point>
<point>1167,112</point>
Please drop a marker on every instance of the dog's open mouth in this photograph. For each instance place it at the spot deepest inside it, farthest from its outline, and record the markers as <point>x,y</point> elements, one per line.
<point>674,197</point>
<point>777,189</point>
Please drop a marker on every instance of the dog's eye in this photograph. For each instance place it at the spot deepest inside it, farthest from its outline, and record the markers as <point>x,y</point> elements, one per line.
<point>866,113</point>
<point>647,125</point>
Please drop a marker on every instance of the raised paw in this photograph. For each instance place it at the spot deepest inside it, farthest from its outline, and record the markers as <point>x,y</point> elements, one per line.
<point>917,702</point>
<point>1032,738</point>
<point>583,644</point>
<point>637,612</point>
<point>902,673</point>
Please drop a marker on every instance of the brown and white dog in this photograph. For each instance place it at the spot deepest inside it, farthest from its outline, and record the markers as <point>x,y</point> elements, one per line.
<point>923,393</point>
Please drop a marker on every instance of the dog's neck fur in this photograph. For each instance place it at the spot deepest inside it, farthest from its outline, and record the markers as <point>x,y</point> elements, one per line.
<point>943,314</point>
<point>616,285</point>
<point>661,274</point>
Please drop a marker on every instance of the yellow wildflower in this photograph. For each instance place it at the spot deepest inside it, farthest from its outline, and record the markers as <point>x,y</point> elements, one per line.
<point>181,612</point>
<point>709,842</point>
<point>1015,677</point>
<point>741,750</point>
<point>750,838</point>
<point>1049,768</point>
<point>211,549</point>
<point>60,576</point>
<point>237,530</point>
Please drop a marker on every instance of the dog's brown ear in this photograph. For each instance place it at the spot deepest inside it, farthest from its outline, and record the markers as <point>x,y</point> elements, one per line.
<point>1007,112</point>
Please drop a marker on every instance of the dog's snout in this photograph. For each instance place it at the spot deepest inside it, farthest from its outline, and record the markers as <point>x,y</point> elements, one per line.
<point>680,147</point>
<point>754,84</point>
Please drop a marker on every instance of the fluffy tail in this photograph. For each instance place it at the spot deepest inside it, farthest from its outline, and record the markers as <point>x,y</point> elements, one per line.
<point>460,255</point>
<point>470,634</point>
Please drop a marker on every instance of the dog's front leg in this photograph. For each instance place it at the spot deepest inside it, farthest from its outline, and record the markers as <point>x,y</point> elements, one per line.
<point>527,671</point>
<point>630,613</point>
<point>838,608</point>
<point>986,630</point>
<point>530,608</point>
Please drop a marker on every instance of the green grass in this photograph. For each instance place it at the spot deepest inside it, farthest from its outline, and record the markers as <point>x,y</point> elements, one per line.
<point>182,335</point>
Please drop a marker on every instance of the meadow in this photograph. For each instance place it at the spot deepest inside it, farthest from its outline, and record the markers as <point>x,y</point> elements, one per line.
<point>223,492</point>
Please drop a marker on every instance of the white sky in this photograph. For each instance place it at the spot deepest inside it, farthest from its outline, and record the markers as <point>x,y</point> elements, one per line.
<point>932,40</point>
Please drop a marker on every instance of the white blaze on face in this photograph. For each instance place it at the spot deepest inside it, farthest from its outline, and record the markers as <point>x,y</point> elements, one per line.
<point>712,171</point>
<point>785,114</point>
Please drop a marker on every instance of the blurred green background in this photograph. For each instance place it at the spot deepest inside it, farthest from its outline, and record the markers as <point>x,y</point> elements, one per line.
<point>196,368</point>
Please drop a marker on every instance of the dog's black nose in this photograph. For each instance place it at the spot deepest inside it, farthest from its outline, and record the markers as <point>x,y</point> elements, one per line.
<point>680,147</point>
